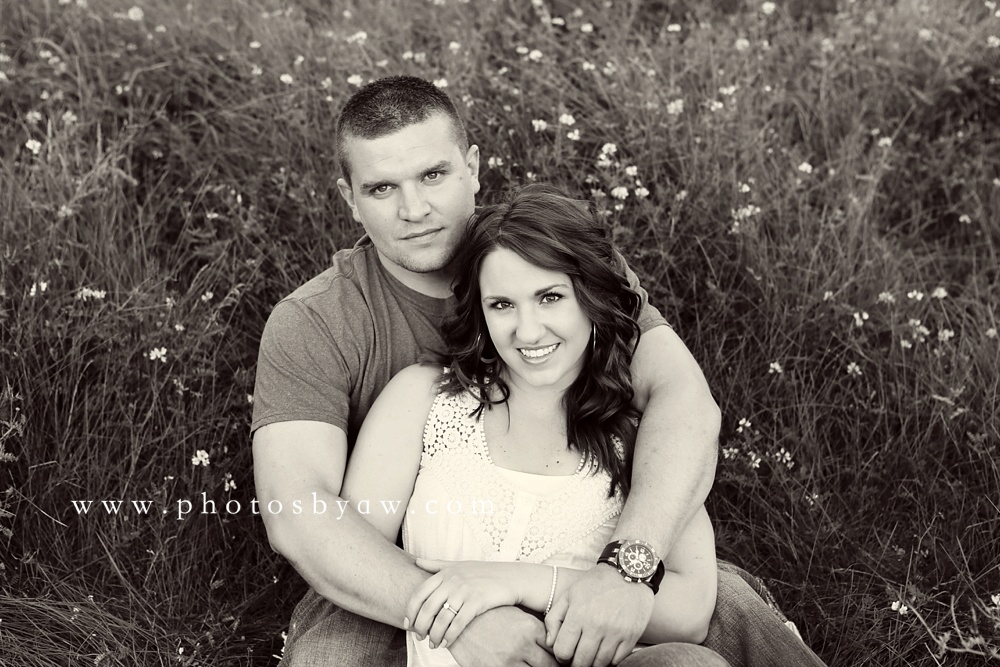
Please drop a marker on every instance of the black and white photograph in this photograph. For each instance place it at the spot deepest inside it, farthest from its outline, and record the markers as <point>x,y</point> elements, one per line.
<point>499,333</point>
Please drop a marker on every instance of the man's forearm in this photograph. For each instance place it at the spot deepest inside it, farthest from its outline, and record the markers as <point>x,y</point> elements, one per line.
<point>673,467</point>
<point>346,560</point>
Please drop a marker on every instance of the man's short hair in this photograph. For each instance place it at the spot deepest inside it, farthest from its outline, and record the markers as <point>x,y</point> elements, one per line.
<point>389,105</point>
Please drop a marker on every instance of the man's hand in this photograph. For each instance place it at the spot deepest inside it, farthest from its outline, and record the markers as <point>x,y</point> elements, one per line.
<point>503,637</point>
<point>598,619</point>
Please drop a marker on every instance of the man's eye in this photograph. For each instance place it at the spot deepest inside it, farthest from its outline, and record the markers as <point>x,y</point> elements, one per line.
<point>433,176</point>
<point>379,189</point>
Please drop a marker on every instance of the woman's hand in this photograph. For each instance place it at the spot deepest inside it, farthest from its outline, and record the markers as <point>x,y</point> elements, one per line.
<point>469,588</point>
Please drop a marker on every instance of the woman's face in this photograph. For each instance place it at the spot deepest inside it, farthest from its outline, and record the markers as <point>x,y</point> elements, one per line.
<point>534,319</point>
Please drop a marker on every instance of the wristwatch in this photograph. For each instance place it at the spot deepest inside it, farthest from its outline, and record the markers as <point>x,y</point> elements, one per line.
<point>636,561</point>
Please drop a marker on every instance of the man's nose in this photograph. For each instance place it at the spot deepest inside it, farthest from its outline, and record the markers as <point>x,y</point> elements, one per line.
<point>413,206</point>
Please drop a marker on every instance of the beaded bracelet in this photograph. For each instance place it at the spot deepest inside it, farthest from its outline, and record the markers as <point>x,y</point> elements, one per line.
<point>552,591</point>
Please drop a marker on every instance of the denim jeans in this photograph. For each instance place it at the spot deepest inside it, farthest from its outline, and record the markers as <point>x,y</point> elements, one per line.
<point>746,631</point>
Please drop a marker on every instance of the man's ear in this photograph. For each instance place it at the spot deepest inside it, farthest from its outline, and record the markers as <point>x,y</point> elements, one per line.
<point>472,162</point>
<point>348,194</point>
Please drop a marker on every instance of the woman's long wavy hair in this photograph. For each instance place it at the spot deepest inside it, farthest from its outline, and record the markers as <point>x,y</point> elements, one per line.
<point>555,232</point>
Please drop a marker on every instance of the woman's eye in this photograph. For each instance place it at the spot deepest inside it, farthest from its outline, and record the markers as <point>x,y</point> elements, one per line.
<point>500,305</point>
<point>551,297</point>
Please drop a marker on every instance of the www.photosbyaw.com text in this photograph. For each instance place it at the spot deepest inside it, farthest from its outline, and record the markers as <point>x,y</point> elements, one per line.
<point>184,507</point>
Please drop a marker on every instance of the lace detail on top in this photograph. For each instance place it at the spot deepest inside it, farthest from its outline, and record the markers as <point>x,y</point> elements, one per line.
<point>522,525</point>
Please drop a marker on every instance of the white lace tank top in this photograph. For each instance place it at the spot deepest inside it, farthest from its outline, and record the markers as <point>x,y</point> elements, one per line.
<point>464,507</point>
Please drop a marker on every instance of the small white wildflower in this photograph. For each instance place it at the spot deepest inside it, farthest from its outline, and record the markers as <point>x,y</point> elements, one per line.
<point>200,458</point>
<point>945,335</point>
<point>744,424</point>
<point>925,34</point>
<point>207,296</point>
<point>805,168</point>
<point>33,145</point>
<point>996,182</point>
<point>441,83</point>
<point>860,318</point>
<point>964,219</point>
<point>33,117</point>
<point>681,196</point>
<point>609,68</point>
<point>674,27</point>
<point>742,44</point>
<point>716,105</point>
<point>995,599</point>
<point>744,188</point>
<point>230,485</point>
<point>775,368</point>
<point>588,66</point>
<point>454,47</point>
<point>619,207</point>
<point>535,55</point>
<point>495,162</point>
<point>754,460</point>
<point>939,293</point>
<point>619,192</point>
<point>675,107</point>
<point>558,20</point>
<point>539,125</point>
<point>993,41</point>
<point>827,295</point>
<point>727,91</point>
<point>566,119</point>
<point>853,369</point>
<point>886,297</point>
<point>784,457</point>
<point>767,8</point>
<point>86,294</point>
<point>160,28</point>
<point>135,14</point>
<point>609,149</point>
<point>64,212</point>
<point>250,399</point>
<point>158,354</point>
<point>826,45</point>
<point>38,287</point>
<point>587,28</point>
<point>915,295</point>
<point>256,70</point>
<point>522,50</point>
<point>357,38</point>
<point>885,142</point>
<point>991,332</point>
<point>255,44</point>
<point>729,452</point>
<point>574,135</point>
<point>641,192</point>
<point>407,55</point>
<point>286,79</point>
<point>905,344</point>
<point>355,80</point>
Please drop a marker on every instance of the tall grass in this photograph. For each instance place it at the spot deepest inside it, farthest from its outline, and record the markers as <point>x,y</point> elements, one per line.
<point>809,194</point>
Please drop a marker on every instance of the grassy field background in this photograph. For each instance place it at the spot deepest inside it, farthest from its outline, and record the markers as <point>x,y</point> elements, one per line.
<point>809,191</point>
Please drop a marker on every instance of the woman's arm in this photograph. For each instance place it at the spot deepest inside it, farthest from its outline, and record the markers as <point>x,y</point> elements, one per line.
<point>383,466</point>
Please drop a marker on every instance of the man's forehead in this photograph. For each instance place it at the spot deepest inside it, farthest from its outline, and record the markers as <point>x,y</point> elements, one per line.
<point>430,141</point>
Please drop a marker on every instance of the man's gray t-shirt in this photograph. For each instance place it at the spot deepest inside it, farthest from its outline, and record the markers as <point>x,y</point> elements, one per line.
<point>332,345</point>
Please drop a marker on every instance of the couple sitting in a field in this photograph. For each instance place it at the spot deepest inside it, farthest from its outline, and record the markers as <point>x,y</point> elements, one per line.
<point>516,462</point>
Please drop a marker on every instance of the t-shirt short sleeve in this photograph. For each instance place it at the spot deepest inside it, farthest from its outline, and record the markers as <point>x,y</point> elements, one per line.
<point>649,316</point>
<point>302,372</point>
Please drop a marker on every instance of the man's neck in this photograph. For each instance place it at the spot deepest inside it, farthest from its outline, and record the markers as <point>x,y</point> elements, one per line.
<point>436,284</point>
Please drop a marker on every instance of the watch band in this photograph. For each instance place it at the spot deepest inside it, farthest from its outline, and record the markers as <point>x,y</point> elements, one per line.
<point>612,556</point>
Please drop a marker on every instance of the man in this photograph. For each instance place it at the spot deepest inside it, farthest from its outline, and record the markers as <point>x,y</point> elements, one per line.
<point>410,178</point>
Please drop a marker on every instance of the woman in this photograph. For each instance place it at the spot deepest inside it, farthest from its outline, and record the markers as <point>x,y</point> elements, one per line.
<point>511,466</point>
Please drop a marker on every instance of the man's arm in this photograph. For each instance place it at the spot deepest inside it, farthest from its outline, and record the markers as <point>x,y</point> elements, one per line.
<point>342,556</point>
<point>677,446</point>
<point>673,469</point>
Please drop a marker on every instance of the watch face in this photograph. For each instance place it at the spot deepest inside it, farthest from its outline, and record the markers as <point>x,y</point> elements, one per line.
<point>637,560</point>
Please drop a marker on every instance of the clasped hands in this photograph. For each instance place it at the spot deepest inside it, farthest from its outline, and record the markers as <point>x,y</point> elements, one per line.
<point>596,617</point>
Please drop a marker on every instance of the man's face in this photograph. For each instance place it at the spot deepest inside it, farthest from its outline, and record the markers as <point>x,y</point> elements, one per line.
<point>413,191</point>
